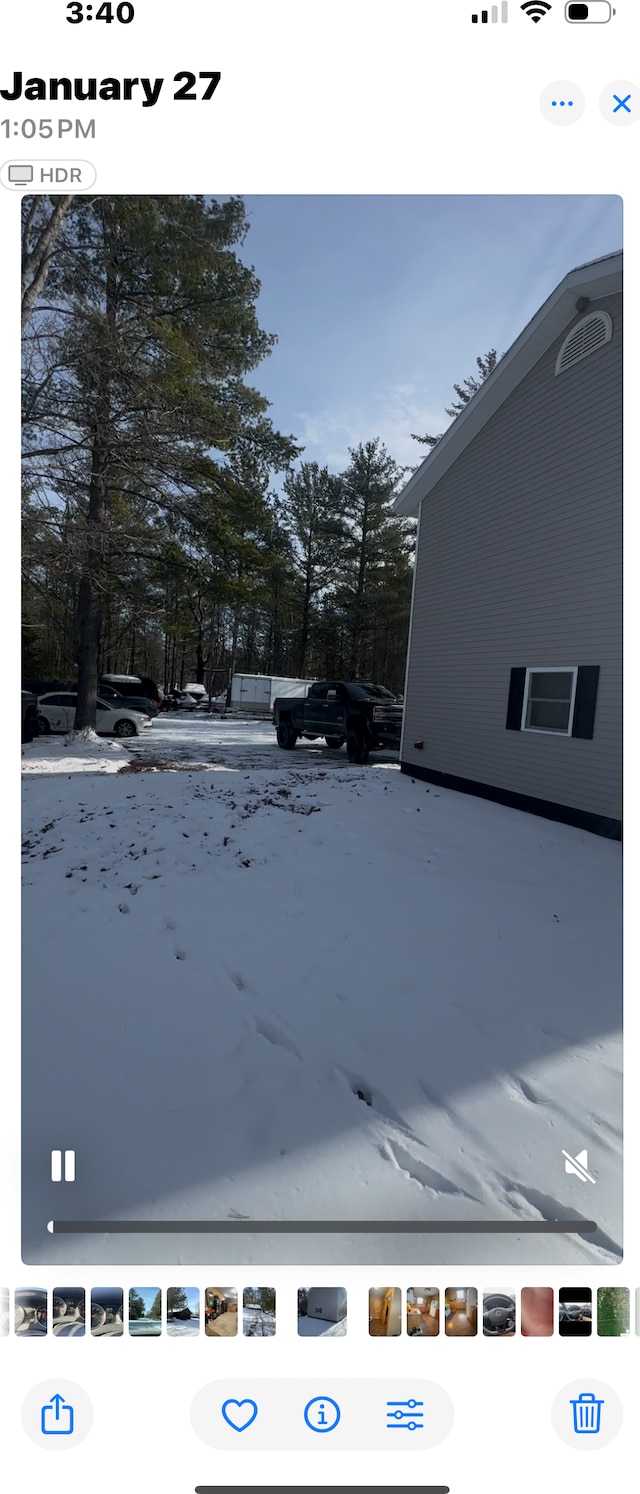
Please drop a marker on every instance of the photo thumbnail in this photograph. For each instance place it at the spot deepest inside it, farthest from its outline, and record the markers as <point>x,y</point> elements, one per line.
<point>321,741</point>
<point>259,1312</point>
<point>322,1312</point>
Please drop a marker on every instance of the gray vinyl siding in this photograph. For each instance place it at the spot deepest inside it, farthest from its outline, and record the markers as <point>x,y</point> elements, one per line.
<point>519,563</point>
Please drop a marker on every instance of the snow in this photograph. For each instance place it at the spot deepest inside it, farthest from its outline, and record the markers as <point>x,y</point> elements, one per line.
<point>297,989</point>
<point>258,1324</point>
<point>86,753</point>
<point>183,1327</point>
<point>317,1328</point>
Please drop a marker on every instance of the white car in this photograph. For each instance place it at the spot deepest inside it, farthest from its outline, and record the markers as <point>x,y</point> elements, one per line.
<point>57,712</point>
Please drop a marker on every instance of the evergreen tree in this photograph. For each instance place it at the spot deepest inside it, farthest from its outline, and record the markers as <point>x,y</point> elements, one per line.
<point>155,1311</point>
<point>176,1299</point>
<point>311,507</point>
<point>464,393</point>
<point>373,534</point>
<point>136,1305</point>
<point>138,396</point>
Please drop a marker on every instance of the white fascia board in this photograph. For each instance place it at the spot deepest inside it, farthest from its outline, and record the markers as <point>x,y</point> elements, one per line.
<point>602,278</point>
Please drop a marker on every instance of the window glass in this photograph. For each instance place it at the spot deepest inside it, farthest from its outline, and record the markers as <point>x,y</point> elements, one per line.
<point>370,692</point>
<point>549,700</point>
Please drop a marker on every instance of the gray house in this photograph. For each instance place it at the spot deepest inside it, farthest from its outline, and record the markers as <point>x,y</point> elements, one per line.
<point>514,674</point>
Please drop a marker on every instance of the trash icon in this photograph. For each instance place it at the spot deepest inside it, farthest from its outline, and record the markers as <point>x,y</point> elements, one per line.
<point>586,1413</point>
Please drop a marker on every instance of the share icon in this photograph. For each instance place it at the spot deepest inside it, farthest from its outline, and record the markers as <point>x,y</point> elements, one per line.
<point>578,1165</point>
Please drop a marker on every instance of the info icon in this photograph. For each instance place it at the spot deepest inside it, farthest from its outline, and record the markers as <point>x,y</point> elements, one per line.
<point>562,103</point>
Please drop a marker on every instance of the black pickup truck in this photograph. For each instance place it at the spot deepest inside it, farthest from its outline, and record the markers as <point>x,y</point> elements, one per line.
<point>364,716</point>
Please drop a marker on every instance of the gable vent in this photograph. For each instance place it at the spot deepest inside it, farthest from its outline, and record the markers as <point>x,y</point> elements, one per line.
<point>589,335</point>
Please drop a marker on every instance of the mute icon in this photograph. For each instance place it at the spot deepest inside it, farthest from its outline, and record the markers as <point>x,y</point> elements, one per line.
<point>578,1165</point>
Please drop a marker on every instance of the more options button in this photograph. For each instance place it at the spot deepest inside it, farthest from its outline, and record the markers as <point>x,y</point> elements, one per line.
<point>57,1414</point>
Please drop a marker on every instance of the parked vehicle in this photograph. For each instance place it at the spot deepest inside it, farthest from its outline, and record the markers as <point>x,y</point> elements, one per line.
<point>57,713</point>
<point>257,693</point>
<point>129,702</point>
<point>140,692</point>
<point>29,716</point>
<point>363,715</point>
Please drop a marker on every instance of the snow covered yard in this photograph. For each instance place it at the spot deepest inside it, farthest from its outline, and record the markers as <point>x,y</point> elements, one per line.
<point>316,1328</point>
<point>258,1324</point>
<point>280,987</point>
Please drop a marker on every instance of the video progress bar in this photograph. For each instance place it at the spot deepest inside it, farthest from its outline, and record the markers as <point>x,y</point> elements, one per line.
<point>330,1489</point>
<point>320,1227</point>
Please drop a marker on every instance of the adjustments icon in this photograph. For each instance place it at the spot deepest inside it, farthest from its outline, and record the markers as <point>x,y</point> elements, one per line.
<point>407,1414</point>
<point>562,103</point>
<point>322,1414</point>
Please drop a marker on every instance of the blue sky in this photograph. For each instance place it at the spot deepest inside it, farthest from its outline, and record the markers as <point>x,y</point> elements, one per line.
<point>380,303</point>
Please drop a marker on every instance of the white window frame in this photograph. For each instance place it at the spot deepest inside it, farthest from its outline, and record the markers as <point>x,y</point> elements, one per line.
<point>549,731</point>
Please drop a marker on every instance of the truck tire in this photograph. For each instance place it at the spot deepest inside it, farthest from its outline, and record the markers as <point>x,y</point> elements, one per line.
<point>286,735</point>
<point>357,747</point>
<point>334,741</point>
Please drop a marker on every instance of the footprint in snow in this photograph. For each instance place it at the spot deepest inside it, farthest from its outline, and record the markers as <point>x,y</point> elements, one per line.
<point>419,1172</point>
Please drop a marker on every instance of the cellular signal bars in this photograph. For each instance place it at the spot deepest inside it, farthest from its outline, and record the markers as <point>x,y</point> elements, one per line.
<point>484,14</point>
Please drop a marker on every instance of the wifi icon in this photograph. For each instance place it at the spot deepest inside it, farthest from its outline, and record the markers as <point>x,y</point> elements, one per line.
<point>536,10</point>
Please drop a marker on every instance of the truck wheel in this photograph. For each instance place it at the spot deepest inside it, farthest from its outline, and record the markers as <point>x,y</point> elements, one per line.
<point>357,747</point>
<point>287,737</point>
<point>334,741</point>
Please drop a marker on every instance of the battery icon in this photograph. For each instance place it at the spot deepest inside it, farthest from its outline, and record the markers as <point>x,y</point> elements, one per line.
<point>593,11</point>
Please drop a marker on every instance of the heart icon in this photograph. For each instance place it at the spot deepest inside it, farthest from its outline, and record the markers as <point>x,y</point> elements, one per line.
<point>239,1414</point>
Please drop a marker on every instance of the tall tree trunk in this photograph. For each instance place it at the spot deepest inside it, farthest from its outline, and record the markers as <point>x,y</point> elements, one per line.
<point>199,658</point>
<point>36,260</point>
<point>89,592</point>
<point>89,610</point>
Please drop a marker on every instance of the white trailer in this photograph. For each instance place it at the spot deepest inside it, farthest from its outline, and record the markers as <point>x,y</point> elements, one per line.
<point>327,1303</point>
<point>255,693</point>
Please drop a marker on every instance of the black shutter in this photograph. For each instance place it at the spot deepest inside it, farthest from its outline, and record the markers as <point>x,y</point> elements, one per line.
<point>516,698</point>
<point>585,705</point>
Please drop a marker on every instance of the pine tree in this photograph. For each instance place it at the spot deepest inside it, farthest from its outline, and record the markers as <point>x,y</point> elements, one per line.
<point>373,534</point>
<point>136,1306</point>
<point>155,1311</point>
<point>176,1299</point>
<point>152,332</point>
<point>311,508</point>
<point>464,392</point>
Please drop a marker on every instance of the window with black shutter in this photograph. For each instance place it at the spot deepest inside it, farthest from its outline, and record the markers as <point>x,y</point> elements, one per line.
<point>560,700</point>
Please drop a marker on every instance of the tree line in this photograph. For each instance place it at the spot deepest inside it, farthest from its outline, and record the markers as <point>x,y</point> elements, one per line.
<point>169,530</point>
